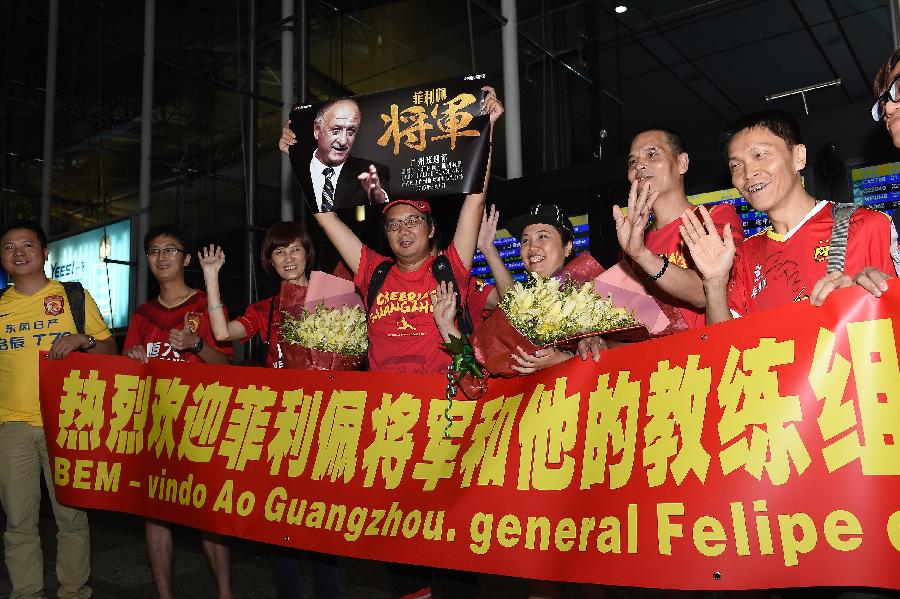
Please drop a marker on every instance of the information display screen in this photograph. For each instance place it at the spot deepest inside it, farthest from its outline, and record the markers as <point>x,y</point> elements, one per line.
<point>80,257</point>
<point>876,186</point>
<point>754,221</point>
<point>508,246</point>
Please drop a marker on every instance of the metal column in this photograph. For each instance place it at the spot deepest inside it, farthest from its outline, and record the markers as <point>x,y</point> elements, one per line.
<point>287,102</point>
<point>146,145</point>
<point>895,21</point>
<point>511,117</point>
<point>250,141</point>
<point>49,110</point>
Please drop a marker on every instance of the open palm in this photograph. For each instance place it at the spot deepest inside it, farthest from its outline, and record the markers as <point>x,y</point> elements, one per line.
<point>713,254</point>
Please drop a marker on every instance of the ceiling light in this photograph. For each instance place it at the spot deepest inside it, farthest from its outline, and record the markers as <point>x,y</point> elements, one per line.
<point>621,8</point>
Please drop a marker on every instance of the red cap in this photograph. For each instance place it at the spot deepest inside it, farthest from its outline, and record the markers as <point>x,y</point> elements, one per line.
<point>421,205</point>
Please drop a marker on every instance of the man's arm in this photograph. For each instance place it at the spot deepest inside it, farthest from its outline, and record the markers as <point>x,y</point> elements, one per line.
<point>66,344</point>
<point>679,282</point>
<point>343,239</point>
<point>502,278</point>
<point>469,222</point>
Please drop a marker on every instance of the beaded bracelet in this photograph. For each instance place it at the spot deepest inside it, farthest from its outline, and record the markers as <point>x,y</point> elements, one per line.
<point>662,271</point>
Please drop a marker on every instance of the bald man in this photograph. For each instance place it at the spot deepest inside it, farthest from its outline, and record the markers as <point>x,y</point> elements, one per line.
<point>335,179</point>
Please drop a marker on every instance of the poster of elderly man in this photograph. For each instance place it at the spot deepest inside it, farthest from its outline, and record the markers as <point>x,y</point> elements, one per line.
<point>425,140</point>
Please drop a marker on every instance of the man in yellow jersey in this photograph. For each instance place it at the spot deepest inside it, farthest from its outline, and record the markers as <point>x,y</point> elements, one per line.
<point>37,315</point>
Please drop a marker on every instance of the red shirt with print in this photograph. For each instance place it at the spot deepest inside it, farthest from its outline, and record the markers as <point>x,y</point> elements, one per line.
<point>771,270</point>
<point>667,240</point>
<point>256,322</point>
<point>151,322</point>
<point>403,336</point>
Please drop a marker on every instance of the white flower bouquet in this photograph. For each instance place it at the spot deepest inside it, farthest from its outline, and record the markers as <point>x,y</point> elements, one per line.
<point>544,312</point>
<point>325,339</point>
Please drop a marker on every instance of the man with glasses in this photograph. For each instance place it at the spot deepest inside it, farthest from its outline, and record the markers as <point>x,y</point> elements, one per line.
<point>38,315</point>
<point>175,326</point>
<point>403,336</point>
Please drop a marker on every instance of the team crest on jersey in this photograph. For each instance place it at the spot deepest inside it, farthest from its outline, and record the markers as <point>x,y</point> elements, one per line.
<point>194,321</point>
<point>480,285</point>
<point>821,251</point>
<point>54,305</point>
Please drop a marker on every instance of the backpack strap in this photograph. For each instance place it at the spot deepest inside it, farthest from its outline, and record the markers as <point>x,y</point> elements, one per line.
<point>75,293</point>
<point>378,277</point>
<point>443,272</point>
<point>837,251</point>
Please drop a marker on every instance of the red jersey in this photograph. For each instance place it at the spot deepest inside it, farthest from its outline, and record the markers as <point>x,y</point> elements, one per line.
<point>478,294</point>
<point>771,270</point>
<point>667,240</point>
<point>403,336</point>
<point>256,322</point>
<point>151,322</point>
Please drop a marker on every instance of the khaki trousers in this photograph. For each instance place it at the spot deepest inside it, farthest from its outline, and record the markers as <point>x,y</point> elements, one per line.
<point>23,454</point>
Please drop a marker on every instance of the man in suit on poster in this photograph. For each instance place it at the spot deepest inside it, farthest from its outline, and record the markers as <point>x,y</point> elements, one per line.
<point>335,179</point>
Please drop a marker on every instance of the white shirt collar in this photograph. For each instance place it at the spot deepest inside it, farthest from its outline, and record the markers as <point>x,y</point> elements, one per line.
<point>318,179</point>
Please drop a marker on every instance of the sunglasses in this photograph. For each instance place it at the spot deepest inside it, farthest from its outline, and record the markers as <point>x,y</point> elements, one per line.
<point>892,93</point>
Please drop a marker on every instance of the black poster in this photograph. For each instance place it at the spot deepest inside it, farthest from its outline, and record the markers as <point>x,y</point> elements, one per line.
<point>421,141</point>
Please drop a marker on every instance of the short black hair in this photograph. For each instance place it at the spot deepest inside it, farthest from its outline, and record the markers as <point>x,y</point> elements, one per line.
<point>178,233</point>
<point>778,122</point>
<point>881,77</point>
<point>24,223</point>
<point>281,235</point>
<point>673,138</point>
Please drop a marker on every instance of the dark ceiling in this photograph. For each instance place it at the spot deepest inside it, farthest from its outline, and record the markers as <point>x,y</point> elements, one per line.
<point>690,65</point>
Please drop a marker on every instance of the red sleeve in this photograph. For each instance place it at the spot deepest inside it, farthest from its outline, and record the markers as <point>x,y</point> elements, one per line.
<point>723,214</point>
<point>460,272</point>
<point>478,297</point>
<point>256,317</point>
<point>133,336</point>
<point>368,262</point>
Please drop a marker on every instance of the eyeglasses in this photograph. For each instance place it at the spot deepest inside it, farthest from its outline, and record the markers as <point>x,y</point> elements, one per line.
<point>413,221</point>
<point>892,93</point>
<point>167,251</point>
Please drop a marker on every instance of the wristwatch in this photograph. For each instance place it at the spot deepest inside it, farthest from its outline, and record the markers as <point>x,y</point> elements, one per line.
<point>92,343</point>
<point>197,347</point>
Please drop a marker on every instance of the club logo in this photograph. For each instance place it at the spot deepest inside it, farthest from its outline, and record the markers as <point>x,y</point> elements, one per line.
<point>54,305</point>
<point>194,321</point>
<point>821,252</point>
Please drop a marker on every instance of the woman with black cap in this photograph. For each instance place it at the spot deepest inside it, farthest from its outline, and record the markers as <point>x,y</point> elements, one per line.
<point>546,242</point>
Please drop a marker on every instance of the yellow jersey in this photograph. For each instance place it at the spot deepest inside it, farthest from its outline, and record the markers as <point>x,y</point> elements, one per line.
<point>29,324</point>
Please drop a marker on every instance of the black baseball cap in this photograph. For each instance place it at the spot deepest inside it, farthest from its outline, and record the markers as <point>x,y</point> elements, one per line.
<point>547,214</point>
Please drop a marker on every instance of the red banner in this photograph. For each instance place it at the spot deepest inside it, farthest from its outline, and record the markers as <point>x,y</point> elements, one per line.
<point>763,452</point>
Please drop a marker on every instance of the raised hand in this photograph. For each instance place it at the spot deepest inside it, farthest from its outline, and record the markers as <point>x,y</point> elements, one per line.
<point>491,104</point>
<point>630,227</point>
<point>371,185</point>
<point>211,259</point>
<point>443,300</point>
<point>287,138</point>
<point>488,230</point>
<point>713,254</point>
